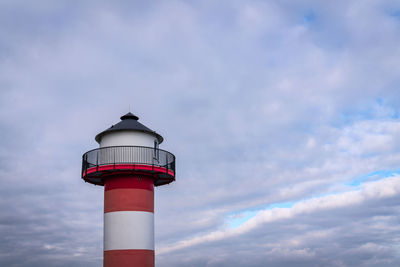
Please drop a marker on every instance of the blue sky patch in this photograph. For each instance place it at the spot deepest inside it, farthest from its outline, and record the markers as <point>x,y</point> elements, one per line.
<point>309,17</point>
<point>373,176</point>
<point>395,14</point>
<point>237,219</point>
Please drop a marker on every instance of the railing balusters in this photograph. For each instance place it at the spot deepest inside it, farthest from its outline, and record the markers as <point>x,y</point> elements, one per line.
<point>127,155</point>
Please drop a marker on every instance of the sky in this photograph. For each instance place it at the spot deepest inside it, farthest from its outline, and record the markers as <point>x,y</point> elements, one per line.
<point>283,117</point>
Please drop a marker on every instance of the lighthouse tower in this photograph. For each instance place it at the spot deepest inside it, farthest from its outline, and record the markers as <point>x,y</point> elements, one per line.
<point>128,164</point>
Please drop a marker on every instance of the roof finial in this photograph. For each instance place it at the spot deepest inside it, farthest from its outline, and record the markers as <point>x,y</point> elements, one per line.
<point>129,116</point>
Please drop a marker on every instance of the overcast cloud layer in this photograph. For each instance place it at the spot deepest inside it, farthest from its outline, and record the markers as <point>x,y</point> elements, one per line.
<point>283,116</point>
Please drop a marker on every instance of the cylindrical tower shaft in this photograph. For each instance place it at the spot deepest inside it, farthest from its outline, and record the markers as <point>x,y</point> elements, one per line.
<point>129,221</point>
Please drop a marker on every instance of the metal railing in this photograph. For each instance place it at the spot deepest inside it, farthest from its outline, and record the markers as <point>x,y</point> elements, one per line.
<point>114,155</point>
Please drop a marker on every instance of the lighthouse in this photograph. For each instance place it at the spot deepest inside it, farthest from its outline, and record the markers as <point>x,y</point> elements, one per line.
<point>129,164</point>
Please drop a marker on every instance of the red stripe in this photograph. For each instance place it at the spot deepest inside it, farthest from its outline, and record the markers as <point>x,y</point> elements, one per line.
<point>129,167</point>
<point>128,199</point>
<point>129,181</point>
<point>129,258</point>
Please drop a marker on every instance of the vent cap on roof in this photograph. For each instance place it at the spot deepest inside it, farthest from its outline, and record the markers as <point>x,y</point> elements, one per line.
<point>129,116</point>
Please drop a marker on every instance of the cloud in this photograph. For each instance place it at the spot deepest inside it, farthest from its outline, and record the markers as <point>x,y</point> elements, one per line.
<point>261,102</point>
<point>385,188</point>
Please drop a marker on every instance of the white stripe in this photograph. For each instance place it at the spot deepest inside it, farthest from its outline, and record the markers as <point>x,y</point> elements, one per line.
<point>128,230</point>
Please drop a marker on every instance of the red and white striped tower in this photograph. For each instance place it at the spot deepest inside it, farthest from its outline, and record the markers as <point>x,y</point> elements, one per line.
<point>129,164</point>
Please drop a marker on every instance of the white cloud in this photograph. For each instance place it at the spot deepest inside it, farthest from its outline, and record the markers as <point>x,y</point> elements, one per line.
<point>385,188</point>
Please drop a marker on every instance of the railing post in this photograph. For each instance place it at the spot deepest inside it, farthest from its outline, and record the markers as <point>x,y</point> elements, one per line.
<point>97,160</point>
<point>114,148</point>
<point>86,163</point>
<point>166,161</point>
<point>83,165</point>
<point>173,165</point>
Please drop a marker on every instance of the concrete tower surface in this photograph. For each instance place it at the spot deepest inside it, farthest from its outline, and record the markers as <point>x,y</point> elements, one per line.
<point>128,164</point>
